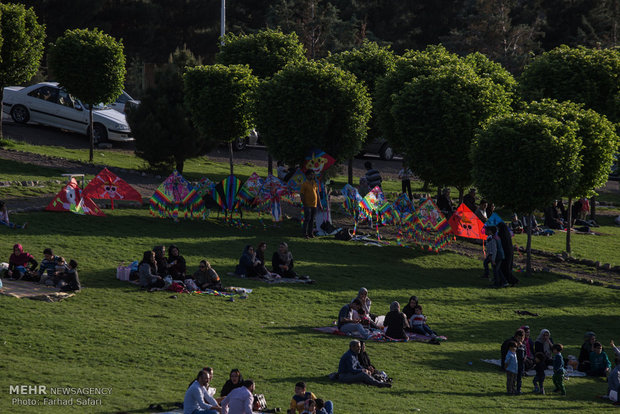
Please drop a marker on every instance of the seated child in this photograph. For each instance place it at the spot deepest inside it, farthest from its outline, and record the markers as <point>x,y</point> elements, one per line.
<point>418,323</point>
<point>324,407</point>
<point>206,277</point>
<point>599,362</point>
<point>69,280</point>
<point>47,268</point>
<point>300,397</point>
<point>539,378</point>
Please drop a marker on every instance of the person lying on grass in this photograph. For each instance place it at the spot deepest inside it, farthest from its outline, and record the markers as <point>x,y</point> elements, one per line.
<point>206,277</point>
<point>350,371</point>
<point>282,262</point>
<point>147,269</point>
<point>18,264</point>
<point>4,218</point>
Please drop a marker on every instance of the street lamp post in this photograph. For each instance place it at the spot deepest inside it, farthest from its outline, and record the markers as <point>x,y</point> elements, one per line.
<point>223,22</point>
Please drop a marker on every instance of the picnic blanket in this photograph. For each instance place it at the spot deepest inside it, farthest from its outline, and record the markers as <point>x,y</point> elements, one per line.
<point>22,289</point>
<point>531,373</point>
<point>379,336</point>
<point>227,292</point>
<point>274,280</point>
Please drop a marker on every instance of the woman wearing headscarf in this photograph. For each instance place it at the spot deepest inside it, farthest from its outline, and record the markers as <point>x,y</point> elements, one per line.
<point>147,269</point>
<point>235,380</point>
<point>176,263</point>
<point>18,263</point>
<point>408,309</point>
<point>248,264</point>
<point>362,295</point>
<point>282,261</point>
<point>395,322</point>
<point>161,261</point>
<point>543,344</point>
<point>506,265</point>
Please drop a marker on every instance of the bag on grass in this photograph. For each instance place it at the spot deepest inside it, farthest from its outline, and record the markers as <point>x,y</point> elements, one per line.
<point>122,272</point>
<point>259,402</point>
<point>344,234</point>
<point>190,285</point>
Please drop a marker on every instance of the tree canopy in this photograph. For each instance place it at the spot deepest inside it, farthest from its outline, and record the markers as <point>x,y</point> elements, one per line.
<point>581,75</point>
<point>265,52</point>
<point>313,105</point>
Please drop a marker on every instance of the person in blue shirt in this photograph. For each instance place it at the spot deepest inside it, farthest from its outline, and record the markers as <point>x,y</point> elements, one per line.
<point>350,370</point>
<point>599,361</point>
<point>558,369</point>
<point>512,368</point>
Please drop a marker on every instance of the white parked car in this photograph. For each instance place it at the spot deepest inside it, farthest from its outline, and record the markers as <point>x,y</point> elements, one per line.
<point>123,101</point>
<point>47,104</point>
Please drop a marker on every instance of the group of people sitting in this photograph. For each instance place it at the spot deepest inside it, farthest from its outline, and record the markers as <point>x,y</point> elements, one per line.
<point>355,318</point>
<point>156,271</point>
<point>542,353</point>
<point>237,397</point>
<point>252,263</point>
<point>53,270</point>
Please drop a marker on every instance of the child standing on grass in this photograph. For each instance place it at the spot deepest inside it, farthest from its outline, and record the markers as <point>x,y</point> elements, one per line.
<point>512,368</point>
<point>539,378</point>
<point>558,369</point>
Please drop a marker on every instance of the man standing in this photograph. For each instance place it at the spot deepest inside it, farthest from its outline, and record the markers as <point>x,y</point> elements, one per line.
<point>239,400</point>
<point>309,198</point>
<point>350,370</point>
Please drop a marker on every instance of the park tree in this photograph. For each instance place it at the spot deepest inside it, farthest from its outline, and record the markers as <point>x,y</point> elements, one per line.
<point>221,101</point>
<point>21,46</point>
<point>436,118</point>
<point>580,75</point>
<point>265,52</point>
<point>161,124</point>
<point>90,65</point>
<point>313,105</point>
<point>525,161</point>
<point>599,143</point>
<point>368,63</point>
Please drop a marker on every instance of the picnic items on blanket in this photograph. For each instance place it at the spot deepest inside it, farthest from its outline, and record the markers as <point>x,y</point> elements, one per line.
<point>378,335</point>
<point>301,279</point>
<point>176,198</point>
<point>70,199</point>
<point>548,372</point>
<point>108,186</point>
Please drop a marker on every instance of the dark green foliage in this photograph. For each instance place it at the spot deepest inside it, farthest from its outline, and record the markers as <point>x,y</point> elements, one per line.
<point>436,117</point>
<point>221,100</point>
<point>161,125</point>
<point>599,143</point>
<point>265,52</point>
<point>313,105</point>
<point>525,161</point>
<point>588,76</point>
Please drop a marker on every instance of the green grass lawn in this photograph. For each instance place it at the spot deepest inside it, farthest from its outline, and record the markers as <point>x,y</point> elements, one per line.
<point>147,347</point>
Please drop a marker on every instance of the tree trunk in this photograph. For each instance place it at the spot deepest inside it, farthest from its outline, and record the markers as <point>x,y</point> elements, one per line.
<point>569,225</point>
<point>350,172</point>
<point>528,248</point>
<point>180,164</point>
<point>230,152</point>
<point>593,208</point>
<point>461,194</point>
<point>92,132</point>
<point>269,164</point>
<point>425,187</point>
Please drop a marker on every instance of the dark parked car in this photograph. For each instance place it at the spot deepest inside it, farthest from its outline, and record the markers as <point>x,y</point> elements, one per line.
<point>379,146</point>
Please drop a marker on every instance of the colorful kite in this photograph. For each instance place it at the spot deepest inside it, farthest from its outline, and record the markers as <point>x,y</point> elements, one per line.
<point>176,198</point>
<point>431,229</point>
<point>70,199</point>
<point>296,180</point>
<point>371,202</point>
<point>204,187</point>
<point>271,194</point>
<point>226,191</point>
<point>250,189</point>
<point>108,186</point>
<point>318,161</point>
<point>404,205</point>
<point>465,223</point>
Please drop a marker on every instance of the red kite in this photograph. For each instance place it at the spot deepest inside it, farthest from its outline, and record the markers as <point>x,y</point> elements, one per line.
<point>465,223</point>
<point>108,186</point>
<point>70,199</point>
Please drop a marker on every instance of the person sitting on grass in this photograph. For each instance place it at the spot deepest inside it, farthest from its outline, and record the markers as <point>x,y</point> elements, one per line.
<point>235,380</point>
<point>599,361</point>
<point>282,262</point>
<point>367,318</point>
<point>70,280</point>
<point>206,277</point>
<point>419,326</point>
<point>349,322</point>
<point>196,397</point>
<point>176,263</point>
<point>553,217</point>
<point>260,256</point>
<point>4,218</point>
<point>613,381</point>
<point>59,271</point>
<point>408,310</point>
<point>395,322</point>
<point>558,369</point>
<point>249,265</point>
<point>147,270</point>
<point>350,370</point>
<point>516,225</point>
<point>544,344</point>
<point>18,264</point>
<point>299,399</point>
<point>364,360</point>
<point>584,353</point>
<point>161,261</point>
<point>239,400</point>
<point>47,268</point>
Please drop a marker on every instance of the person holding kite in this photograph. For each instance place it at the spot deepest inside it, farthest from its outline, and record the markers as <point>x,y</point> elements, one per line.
<point>309,198</point>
